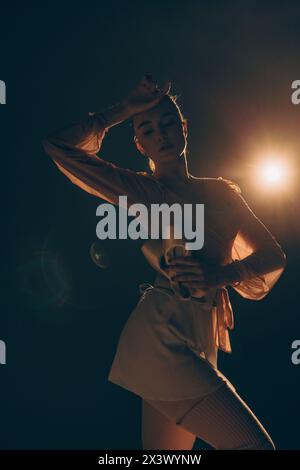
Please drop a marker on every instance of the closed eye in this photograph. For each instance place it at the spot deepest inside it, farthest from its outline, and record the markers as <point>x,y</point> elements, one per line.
<point>165,125</point>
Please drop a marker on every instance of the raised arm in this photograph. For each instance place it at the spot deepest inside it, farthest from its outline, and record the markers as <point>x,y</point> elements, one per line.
<point>74,150</point>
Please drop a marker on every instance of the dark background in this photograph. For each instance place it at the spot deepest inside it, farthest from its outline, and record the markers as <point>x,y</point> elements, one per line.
<point>232,63</point>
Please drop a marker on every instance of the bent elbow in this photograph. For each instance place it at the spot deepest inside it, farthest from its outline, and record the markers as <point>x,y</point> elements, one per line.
<point>52,148</point>
<point>283,260</point>
<point>47,144</point>
<point>279,255</point>
<point>280,258</point>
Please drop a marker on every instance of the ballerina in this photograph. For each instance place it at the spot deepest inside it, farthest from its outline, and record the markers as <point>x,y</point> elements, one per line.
<point>167,350</point>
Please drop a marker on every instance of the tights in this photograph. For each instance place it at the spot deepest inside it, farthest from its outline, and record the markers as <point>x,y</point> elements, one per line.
<point>221,419</point>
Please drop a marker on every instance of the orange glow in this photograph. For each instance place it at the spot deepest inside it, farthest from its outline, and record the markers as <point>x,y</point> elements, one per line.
<point>272,171</point>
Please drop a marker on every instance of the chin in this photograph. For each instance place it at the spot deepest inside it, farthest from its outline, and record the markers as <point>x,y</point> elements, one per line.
<point>169,156</point>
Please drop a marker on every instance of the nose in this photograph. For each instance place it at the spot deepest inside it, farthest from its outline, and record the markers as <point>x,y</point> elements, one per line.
<point>161,132</point>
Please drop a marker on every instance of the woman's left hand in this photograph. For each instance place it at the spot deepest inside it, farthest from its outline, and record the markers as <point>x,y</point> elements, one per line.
<point>193,273</point>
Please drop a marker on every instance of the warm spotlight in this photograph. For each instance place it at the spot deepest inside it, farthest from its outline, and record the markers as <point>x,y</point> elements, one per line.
<point>272,172</point>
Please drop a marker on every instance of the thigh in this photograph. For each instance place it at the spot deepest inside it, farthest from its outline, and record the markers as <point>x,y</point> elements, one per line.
<point>224,420</point>
<point>161,433</point>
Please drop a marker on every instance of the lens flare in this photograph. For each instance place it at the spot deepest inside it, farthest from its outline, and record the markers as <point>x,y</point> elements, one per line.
<point>272,173</point>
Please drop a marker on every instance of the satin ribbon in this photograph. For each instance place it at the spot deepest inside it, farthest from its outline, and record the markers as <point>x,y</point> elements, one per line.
<point>225,319</point>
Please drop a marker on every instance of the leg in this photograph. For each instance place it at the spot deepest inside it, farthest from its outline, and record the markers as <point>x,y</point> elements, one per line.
<point>224,421</point>
<point>161,433</point>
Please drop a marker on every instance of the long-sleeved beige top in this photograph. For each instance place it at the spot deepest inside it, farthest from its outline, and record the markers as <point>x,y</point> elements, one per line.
<point>232,232</point>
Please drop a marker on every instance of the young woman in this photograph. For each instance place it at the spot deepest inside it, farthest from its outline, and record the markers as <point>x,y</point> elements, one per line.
<point>167,351</point>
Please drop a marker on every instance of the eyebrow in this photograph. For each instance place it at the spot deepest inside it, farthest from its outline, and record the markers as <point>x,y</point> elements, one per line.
<point>144,123</point>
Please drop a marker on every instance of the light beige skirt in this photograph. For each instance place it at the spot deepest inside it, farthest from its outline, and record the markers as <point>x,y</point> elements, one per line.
<point>166,350</point>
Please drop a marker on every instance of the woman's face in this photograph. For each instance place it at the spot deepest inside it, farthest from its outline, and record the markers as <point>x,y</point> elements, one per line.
<point>160,132</point>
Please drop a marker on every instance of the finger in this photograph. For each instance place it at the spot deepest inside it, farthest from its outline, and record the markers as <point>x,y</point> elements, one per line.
<point>184,269</point>
<point>196,285</point>
<point>193,285</point>
<point>149,83</point>
<point>183,266</point>
<point>184,260</point>
<point>165,88</point>
<point>187,277</point>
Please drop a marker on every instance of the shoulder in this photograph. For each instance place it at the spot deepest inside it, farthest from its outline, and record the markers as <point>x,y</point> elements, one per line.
<point>217,182</point>
<point>229,184</point>
<point>222,191</point>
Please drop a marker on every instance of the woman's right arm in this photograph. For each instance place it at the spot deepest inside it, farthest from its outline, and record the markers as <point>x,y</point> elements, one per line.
<point>74,150</point>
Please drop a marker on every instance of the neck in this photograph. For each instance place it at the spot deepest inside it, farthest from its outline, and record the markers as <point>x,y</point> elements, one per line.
<point>172,172</point>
